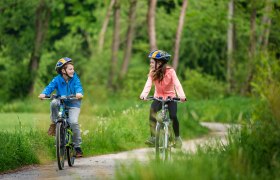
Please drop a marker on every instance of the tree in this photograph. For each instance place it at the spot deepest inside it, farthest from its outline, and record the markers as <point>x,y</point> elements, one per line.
<point>151,24</point>
<point>178,34</point>
<point>230,45</point>
<point>104,26</point>
<point>41,26</point>
<point>115,44</point>
<point>130,33</point>
<point>266,23</point>
<point>252,49</point>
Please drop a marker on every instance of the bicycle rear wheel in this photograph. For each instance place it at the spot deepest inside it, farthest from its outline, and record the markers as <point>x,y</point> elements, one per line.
<point>60,145</point>
<point>70,151</point>
<point>161,143</point>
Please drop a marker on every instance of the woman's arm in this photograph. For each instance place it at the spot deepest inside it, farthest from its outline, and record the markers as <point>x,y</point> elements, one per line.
<point>147,88</point>
<point>178,86</point>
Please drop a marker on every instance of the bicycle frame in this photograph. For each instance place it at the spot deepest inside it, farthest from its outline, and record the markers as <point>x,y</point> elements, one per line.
<point>164,131</point>
<point>64,134</point>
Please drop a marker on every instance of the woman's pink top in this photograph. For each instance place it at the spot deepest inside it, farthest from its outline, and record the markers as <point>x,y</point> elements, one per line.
<point>169,86</point>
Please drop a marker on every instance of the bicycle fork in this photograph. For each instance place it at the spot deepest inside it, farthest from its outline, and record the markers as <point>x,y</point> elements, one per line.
<point>163,127</point>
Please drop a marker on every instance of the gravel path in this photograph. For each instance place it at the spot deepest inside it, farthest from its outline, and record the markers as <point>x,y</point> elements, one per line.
<point>103,166</point>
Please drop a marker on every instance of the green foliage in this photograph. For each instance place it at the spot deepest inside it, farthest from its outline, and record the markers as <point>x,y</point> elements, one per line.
<point>228,110</point>
<point>74,29</point>
<point>199,86</point>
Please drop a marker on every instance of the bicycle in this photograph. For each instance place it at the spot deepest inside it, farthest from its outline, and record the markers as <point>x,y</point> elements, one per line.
<point>64,134</point>
<point>165,137</point>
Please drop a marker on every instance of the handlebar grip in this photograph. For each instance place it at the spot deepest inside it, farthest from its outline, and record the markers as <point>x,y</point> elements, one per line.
<point>176,99</point>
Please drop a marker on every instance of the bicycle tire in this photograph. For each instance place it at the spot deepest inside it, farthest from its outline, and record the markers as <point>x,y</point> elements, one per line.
<point>161,143</point>
<point>60,145</point>
<point>171,135</point>
<point>70,151</point>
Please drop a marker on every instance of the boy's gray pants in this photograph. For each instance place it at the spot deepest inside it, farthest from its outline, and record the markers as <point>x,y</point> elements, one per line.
<point>74,113</point>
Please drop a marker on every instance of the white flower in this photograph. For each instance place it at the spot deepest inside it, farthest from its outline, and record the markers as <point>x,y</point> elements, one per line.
<point>86,132</point>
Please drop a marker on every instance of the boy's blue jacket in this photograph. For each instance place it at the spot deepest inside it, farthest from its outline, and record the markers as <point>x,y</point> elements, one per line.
<point>65,89</point>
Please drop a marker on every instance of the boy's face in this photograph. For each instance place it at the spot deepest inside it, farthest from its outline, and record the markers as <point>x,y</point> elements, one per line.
<point>69,70</point>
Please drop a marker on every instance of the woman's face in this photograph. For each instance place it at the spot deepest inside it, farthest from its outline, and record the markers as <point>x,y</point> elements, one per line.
<point>154,65</point>
<point>69,70</point>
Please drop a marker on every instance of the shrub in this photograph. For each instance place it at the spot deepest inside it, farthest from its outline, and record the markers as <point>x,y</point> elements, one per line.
<point>202,86</point>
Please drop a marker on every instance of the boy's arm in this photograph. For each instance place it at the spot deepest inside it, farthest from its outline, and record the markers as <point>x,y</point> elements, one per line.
<point>50,88</point>
<point>78,86</point>
<point>147,88</point>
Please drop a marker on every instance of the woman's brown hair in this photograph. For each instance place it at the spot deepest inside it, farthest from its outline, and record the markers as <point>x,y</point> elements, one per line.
<point>158,73</point>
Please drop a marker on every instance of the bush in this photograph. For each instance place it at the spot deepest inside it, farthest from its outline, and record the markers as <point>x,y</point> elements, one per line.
<point>202,86</point>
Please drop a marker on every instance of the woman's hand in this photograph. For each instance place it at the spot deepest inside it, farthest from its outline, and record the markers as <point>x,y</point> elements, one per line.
<point>79,96</point>
<point>183,99</point>
<point>41,96</point>
<point>143,98</point>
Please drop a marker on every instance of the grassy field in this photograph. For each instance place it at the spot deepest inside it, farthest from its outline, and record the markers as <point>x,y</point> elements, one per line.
<point>110,126</point>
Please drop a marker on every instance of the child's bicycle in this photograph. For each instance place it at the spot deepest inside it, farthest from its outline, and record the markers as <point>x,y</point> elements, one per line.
<point>165,137</point>
<point>64,134</point>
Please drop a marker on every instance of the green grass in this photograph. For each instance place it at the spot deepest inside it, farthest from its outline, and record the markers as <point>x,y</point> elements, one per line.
<point>108,126</point>
<point>227,110</point>
<point>251,153</point>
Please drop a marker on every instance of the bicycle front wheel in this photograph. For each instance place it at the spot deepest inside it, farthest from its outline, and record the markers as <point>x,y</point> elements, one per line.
<point>70,151</point>
<point>60,145</point>
<point>161,143</point>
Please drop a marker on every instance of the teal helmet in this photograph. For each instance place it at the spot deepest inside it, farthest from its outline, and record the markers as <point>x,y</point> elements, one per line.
<point>61,62</point>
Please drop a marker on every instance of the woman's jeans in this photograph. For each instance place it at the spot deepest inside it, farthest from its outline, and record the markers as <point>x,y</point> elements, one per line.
<point>74,113</point>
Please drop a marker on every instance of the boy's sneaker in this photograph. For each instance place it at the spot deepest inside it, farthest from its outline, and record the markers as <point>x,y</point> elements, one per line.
<point>151,141</point>
<point>51,131</point>
<point>178,142</point>
<point>79,152</point>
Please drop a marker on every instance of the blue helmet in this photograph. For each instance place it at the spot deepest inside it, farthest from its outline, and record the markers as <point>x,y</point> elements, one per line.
<point>61,62</point>
<point>160,55</point>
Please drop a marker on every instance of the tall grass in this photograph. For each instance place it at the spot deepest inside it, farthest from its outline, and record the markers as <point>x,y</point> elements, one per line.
<point>233,109</point>
<point>21,147</point>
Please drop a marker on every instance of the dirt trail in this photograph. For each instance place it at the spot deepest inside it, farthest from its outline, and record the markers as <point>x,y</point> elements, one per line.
<point>103,167</point>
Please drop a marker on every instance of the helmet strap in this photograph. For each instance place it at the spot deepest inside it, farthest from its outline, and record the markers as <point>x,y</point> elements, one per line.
<point>67,75</point>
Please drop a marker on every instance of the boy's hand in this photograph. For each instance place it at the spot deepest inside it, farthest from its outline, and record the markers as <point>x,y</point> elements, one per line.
<point>79,96</point>
<point>41,96</point>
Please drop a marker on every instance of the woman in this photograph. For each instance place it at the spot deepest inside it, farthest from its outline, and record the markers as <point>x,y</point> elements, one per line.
<point>166,85</point>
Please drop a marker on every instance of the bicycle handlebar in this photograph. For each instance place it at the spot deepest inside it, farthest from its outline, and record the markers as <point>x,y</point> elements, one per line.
<point>169,99</point>
<point>71,97</point>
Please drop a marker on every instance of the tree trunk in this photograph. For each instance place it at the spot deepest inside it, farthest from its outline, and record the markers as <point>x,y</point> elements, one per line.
<point>115,44</point>
<point>104,27</point>
<point>252,50</point>
<point>178,34</point>
<point>151,24</point>
<point>230,46</point>
<point>130,33</point>
<point>41,26</point>
<point>266,23</point>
